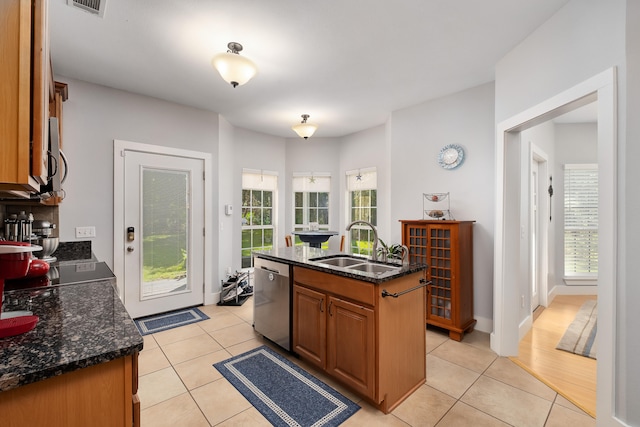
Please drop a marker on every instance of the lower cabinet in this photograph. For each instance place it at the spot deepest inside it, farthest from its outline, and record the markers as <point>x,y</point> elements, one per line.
<point>100,395</point>
<point>337,336</point>
<point>371,344</point>
<point>351,345</point>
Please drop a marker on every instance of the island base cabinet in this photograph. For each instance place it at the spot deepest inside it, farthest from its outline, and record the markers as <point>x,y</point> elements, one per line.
<point>100,395</point>
<point>351,345</point>
<point>371,344</point>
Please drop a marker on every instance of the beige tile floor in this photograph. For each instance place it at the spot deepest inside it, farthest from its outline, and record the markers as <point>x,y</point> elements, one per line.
<point>467,384</point>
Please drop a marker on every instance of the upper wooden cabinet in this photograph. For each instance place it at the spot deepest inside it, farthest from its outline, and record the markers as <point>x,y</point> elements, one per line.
<point>26,92</point>
<point>447,248</point>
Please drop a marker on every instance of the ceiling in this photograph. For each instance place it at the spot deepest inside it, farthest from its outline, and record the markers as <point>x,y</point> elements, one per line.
<point>346,63</point>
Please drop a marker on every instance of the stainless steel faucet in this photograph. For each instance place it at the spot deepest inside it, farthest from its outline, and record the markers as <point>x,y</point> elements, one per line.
<point>374,257</point>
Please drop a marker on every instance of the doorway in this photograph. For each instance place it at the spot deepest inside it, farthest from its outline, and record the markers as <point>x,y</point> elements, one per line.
<point>511,278</point>
<point>160,217</point>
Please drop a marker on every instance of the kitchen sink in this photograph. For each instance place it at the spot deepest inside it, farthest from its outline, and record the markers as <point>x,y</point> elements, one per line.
<point>373,268</point>
<point>356,263</point>
<point>340,261</point>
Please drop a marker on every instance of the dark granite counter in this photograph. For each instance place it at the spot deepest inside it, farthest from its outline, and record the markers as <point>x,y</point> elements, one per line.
<point>80,325</point>
<point>305,256</point>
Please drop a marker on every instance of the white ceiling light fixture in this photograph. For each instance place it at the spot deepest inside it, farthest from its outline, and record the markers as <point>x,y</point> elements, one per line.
<point>233,68</point>
<point>304,129</point>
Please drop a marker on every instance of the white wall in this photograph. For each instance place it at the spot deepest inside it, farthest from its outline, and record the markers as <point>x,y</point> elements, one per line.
<point>253,150</point>
<point>563,143</point>
<point>417,135</point>
<point>575,143</point>
<point>96,115</point>
<point>629,234</point>
<point>227,195</point>
<point>315,155</point>
<point>365,149</point>
<point>583,39</point>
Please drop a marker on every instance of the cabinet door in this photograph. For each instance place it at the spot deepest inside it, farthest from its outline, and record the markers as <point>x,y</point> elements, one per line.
<point>310,325</point>
<point>41,93</point>
<point>351,345</point>
<point>15,93</point>
<point>441,300</point>
<point>416,239</point>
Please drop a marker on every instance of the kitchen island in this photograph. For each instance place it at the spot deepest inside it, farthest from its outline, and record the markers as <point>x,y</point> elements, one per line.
<point>78,367</point>
<point>359,321</point>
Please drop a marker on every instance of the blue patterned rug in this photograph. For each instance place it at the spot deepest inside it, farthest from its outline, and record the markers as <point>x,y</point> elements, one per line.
<point>284,393</point>
<point>173,319</point>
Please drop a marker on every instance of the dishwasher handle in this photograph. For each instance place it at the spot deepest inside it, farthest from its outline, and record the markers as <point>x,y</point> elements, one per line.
<point>269,270</point>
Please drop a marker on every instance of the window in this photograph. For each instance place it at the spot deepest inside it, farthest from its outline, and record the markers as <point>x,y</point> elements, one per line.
<point>311,201</point>
<point>580,220</point>
<point>258,214</point>
<point>362,193</point>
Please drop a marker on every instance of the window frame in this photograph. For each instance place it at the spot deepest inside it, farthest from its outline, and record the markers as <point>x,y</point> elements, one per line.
<point>364,182</point>
<point>262,182</point>
<point>306,184</point>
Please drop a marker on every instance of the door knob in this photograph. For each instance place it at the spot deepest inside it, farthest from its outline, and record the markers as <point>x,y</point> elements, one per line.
<point>130,249</point>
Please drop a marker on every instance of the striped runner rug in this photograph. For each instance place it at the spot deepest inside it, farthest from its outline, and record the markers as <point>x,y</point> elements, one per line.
<point>580,336</point>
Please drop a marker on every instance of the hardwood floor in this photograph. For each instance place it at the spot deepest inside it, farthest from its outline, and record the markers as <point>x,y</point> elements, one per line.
<point>572,376</point>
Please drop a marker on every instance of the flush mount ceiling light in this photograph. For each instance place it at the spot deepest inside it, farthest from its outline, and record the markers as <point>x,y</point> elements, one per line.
<point>233,68</point>
<point>304,129</point>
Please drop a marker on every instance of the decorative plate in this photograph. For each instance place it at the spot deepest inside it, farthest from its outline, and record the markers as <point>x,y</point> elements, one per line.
<point>451,156</point>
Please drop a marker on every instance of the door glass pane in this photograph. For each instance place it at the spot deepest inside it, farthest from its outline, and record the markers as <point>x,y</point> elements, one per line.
<point>165,224</point>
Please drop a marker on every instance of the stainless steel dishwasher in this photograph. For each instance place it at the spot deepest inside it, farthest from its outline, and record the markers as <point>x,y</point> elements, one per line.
<point>272,301</point>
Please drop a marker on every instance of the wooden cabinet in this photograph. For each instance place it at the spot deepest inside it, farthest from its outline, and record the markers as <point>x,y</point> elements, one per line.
<point>335,335</point>
<point>100,395</point>
<point>372,344</point>
<point>447,248</point>
<point>351,345</point>
<point>310,325</point>
<point>25,91</point>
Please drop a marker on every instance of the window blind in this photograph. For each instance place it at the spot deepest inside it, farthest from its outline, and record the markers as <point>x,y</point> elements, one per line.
<point>362,179</point>
<point>581,220</point>
<point>307,182</point>
<point>259,180</point>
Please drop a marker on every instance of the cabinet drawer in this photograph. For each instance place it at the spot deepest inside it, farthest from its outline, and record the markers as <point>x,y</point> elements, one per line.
<point>354,290</point>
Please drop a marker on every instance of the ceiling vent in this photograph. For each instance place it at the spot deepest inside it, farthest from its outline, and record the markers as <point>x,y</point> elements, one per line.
<point>94,7</point>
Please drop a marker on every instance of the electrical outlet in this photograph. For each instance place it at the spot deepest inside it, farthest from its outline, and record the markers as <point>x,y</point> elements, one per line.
<point>85,232</point>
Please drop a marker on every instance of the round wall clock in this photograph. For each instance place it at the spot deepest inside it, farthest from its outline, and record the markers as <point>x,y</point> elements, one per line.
<point>451,156</point>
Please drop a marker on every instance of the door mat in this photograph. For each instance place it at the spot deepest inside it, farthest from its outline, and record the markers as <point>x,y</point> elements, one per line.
<point>580,336</point>
<point>173,319</point>
<point>284,393</point>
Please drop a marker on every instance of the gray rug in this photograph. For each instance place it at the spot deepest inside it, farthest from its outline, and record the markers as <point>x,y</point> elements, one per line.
<point>580,336</point>
<point>283,392</point>
<point>162,322</point>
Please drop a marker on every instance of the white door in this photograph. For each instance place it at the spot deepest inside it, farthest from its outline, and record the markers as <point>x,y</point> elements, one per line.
<point>164,232</point>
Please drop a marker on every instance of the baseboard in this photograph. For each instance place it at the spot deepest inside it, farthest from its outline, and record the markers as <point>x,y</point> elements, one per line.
<point>484,325</point>
<point>525,326</point>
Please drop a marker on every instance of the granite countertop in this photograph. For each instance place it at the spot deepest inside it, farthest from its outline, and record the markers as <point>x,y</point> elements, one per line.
<point>80,325</point>
<point>305,256</point>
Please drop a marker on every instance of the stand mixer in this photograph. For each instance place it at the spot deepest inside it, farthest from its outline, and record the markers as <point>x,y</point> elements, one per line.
<point>15,259</point>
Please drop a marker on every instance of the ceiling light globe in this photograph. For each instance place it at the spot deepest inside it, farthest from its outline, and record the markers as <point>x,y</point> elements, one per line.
<point>305,130</point>
<point>233,68</point>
